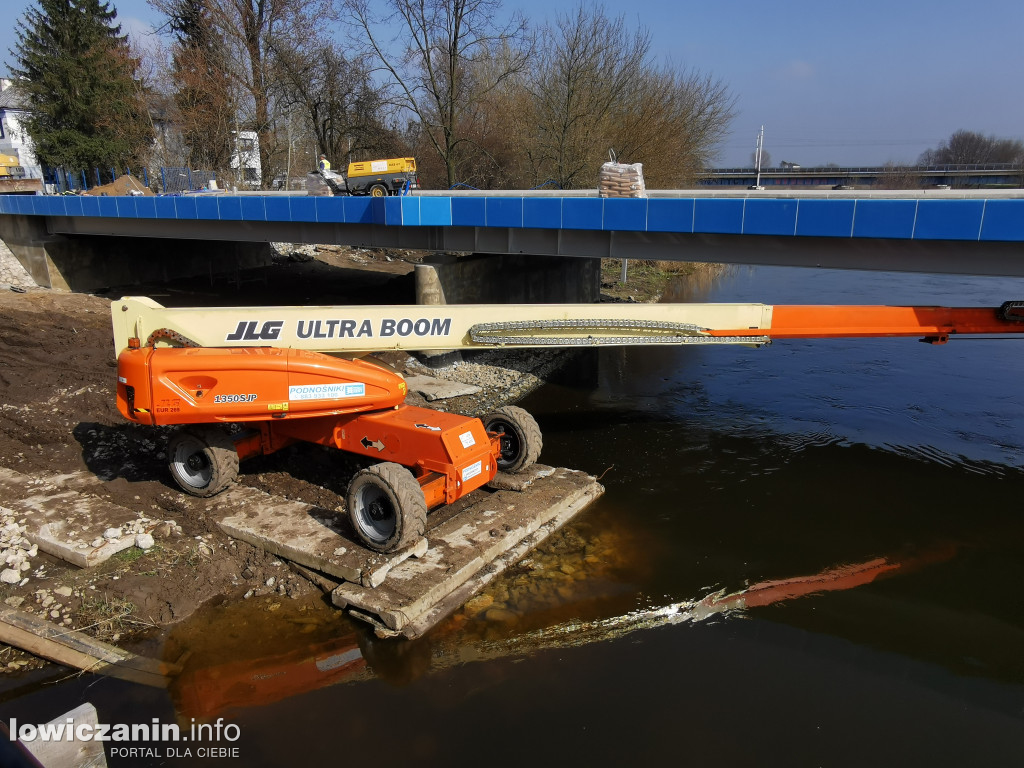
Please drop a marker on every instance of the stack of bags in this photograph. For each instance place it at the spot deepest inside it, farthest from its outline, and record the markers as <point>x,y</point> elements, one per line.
<point>622,180</point>
<point>316,186</point>
<point>325,184</point>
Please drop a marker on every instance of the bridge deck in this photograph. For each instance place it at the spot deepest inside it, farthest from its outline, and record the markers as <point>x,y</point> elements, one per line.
<point>929,217</point>
<point>935,231</point>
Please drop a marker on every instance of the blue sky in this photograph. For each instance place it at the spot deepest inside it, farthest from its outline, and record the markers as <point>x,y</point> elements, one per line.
<point>855,83</point>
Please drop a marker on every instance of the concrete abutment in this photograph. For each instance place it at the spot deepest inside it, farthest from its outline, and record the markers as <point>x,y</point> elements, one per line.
<point>508,279</point>
<point>92,262</point>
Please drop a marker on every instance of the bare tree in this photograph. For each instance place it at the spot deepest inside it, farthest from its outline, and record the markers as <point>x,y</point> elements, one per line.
<point>252,30</point>
<point>595,87</point>
<point>588,64</point>
<point>430,61</point>
<point>672,123</point>
<point>968,147</point>
<point>202,87</point>
<point>337,101</point>
<point>895,176</point>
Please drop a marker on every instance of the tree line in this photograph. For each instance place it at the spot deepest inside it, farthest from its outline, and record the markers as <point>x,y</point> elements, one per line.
<point>479,97</point>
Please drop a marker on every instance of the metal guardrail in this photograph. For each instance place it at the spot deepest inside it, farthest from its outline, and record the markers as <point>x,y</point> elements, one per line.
<point>832,170</point>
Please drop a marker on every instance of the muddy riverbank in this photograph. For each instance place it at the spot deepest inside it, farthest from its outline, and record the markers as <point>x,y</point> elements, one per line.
<point>60,429</point>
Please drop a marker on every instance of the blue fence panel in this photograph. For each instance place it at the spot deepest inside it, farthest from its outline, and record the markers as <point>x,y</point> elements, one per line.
<point>178,180</point>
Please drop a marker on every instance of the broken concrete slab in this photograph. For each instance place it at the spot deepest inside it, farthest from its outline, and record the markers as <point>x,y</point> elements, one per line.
<point>439,389</point>
<point>67,523</point>
<point>520,481</point>
<point>307,535</point>
<point>474,585</point>
<point>467,550</point>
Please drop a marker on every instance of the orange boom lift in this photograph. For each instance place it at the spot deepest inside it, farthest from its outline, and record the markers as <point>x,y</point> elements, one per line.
<point>258,368</point>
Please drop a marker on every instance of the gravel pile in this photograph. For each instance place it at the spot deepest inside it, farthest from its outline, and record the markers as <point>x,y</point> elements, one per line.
<point>16,551</point>
<point>12,275</point>
<point>504,376</point>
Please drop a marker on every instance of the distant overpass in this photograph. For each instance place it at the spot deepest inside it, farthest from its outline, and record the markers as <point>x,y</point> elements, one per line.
<point>988,176</point>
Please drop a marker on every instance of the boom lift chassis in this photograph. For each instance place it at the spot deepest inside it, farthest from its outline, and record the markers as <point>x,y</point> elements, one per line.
<point>266,371</point>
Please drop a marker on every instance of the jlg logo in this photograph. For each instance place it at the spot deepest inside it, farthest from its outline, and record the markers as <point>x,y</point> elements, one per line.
<point>246,331</point>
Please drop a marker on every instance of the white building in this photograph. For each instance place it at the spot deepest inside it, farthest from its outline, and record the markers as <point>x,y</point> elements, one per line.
<point>14,138</point>
<point>245,160</point>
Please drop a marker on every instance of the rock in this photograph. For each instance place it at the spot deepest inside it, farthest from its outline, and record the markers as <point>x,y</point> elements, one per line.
<point>47,601</point>
<point>144,541</point>
<point>112,533</point>
<point>10,576</point>
<point>63,591</point>
<point>478,604</point>
<point>96,543</point>
<point>54,614</point>
<point>14,602</point>
<point>501,616</point>
<point>270,581</point>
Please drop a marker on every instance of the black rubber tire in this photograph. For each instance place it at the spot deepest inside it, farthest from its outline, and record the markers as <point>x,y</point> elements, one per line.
<point>386,507</point>
<point>521,441</point>
<point>203,460</point>
<point>378,190</point>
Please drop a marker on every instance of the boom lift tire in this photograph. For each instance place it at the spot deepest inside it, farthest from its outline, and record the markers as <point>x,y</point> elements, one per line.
<point>203,460</point>
<point>386,507</point>
<point>521,441</point>
<point>378,190</point>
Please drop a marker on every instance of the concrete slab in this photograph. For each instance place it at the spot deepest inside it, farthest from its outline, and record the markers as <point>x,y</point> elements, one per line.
<point>475,584</point>
<point>467,550</point>
<point>505,481</point>
<point>65,522</point>
<point>307,535</point>
<point>439,389</point>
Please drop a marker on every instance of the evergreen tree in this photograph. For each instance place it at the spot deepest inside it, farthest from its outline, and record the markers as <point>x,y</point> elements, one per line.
<point>76,69</point>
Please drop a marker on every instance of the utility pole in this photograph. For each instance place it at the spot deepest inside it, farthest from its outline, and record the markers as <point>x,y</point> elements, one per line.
<point>759,144</point>
<point>288,166</point>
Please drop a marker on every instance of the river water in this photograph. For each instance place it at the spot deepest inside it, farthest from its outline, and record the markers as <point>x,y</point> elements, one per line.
<point>859,497</point>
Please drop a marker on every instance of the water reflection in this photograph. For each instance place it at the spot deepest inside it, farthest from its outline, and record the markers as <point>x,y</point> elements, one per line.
<point>220,679</point>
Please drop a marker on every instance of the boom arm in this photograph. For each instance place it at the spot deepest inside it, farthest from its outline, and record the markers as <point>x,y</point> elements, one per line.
<point>140,321</point>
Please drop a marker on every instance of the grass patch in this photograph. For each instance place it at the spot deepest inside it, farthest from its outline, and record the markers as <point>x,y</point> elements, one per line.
<point>106,616</point>
<point>129,555</point>
<point>646,280</point>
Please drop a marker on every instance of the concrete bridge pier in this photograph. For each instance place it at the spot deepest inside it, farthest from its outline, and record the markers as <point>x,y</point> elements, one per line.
<point>93,262</point>
<point>508,279</point>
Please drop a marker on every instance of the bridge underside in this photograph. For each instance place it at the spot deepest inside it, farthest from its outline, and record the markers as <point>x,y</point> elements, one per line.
<point>898,255</point>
